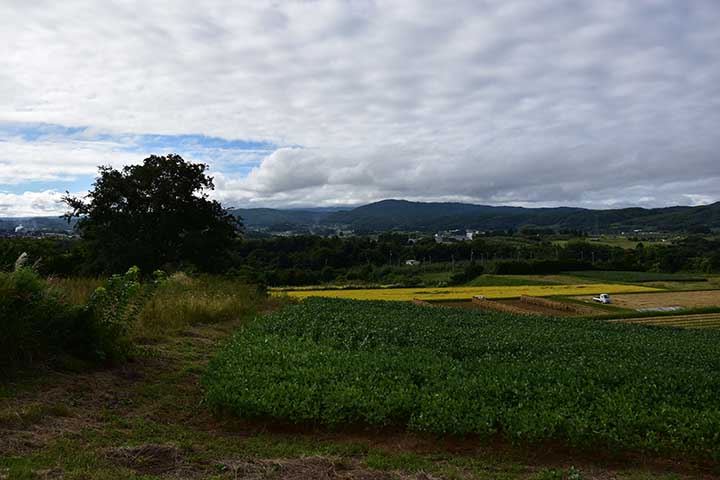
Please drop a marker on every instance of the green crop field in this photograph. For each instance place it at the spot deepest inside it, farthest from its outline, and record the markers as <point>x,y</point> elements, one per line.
<point>582,383</point>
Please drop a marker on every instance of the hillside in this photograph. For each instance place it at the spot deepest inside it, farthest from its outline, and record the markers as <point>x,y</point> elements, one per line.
<point>404,215</point>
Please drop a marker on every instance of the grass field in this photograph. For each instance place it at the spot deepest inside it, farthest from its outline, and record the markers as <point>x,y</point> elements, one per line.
<point>527,379</point>
<point>510,281</point>
<point>464,293</point>
<point>637,277</point>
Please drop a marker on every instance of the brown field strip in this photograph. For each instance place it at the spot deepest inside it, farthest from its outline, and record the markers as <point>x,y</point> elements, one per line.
<point>687,299</point>
<point>706,320</point>
<point>496,306</point>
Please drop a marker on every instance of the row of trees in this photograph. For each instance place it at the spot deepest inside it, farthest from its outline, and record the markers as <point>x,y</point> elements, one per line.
<point>158,215</point>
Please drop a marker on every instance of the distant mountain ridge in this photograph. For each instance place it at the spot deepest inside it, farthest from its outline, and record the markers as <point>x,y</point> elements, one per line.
<point>387,215</point>
<point>403,215</point>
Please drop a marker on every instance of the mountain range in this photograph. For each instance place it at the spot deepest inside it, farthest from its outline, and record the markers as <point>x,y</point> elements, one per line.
<point>403,215</point>
<point>428,217</point>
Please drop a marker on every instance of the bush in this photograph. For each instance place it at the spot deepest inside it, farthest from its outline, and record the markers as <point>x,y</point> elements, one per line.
<point>33,320</point>
<point>110,313</point>
<point>36,323</point>
<point>471,272</point>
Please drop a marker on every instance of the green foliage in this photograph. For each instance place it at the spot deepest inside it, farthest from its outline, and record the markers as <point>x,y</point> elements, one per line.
<point>507,281</point>
<point>636,277</point>
<point>33,321</point>
<point>153,215</point>
<point>537,267</point>
<point>470,272</point>
<point>111,311</point>
<point>36,323</point>
<point>590,385</point>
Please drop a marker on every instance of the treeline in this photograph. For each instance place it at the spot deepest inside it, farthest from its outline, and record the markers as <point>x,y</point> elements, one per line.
<point>304,260</point>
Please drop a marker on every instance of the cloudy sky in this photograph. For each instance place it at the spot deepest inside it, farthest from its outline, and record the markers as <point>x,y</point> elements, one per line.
<point>596,103</point>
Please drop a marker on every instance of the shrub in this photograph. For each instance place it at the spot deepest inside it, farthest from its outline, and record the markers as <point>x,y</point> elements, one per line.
<point>110,314</point>
<point>33,320</point>
<point>470,272</point>
<point>36,323</point>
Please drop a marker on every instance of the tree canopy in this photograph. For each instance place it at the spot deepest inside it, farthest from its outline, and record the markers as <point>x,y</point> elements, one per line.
<point>155,214</point>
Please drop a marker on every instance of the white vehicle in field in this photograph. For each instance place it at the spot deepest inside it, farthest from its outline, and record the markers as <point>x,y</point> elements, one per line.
<point>602,298</point>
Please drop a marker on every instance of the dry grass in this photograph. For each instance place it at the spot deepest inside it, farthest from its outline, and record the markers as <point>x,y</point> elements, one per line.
<point>183,302</point>
<point>76,290</point>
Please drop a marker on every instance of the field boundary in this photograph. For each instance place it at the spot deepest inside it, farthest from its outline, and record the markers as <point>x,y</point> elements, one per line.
<point>554,304</point>
<point>487,304</point>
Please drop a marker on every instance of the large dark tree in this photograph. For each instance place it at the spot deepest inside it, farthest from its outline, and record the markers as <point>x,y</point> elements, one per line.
<point>154,215</point>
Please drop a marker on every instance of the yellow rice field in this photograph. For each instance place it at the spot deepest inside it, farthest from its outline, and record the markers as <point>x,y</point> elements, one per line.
<point>464,293</point>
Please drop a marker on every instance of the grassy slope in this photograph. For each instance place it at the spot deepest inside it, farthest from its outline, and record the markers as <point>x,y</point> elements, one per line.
<point>145,420</point>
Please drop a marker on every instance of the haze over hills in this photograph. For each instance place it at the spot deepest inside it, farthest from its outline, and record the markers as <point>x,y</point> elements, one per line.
<point>429,217</point>
<point>432,216</point>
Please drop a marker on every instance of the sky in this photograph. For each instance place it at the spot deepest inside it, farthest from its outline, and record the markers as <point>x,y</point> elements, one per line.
<point>590,103</point>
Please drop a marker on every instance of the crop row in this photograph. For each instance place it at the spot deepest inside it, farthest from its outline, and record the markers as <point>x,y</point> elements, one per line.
<point>528,379</point>
<point>707,320</point>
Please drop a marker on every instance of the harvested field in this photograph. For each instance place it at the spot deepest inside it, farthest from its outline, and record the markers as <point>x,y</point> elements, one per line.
<point>706,298</point>
<point>537,309</point>
<point>496,306</point>
<point>707,320</point>
<point>524,306</point>
<point>461,293</point>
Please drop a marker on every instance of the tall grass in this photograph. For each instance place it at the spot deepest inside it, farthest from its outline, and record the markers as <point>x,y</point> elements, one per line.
<point>98,320</point>
<point>182,302</point>
<point>76,290</point>
<point>34,322</point>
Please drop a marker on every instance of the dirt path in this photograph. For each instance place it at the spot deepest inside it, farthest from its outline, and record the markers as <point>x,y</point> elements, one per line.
<point>146,420</point>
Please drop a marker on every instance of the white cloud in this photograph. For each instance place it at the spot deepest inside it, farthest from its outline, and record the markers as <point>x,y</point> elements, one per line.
<point>27,204</point>
<point>601,102</point>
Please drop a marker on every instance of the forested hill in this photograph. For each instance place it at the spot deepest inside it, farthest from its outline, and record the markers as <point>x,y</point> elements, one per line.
<point>429,217</point>
<point>388,215</point>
